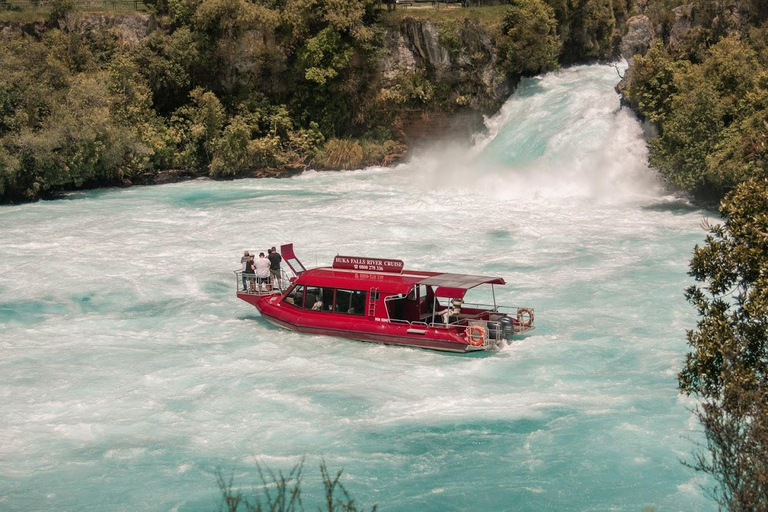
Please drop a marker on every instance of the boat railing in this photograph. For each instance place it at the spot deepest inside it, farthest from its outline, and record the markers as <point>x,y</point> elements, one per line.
<point>510,310</point>
<point>252,285</point>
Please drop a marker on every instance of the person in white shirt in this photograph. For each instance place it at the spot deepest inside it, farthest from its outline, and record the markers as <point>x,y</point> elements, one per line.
<point>262,272</point>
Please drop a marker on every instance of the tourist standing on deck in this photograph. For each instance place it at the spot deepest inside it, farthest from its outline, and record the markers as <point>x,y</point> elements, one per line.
<point>262,271</point>
<point>249,273</point>
<point>243,263</point>
<point>274,267</point>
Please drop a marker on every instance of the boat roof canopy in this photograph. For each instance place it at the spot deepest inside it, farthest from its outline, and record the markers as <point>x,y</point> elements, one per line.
<point>445,285</point>
<point>462,281</point>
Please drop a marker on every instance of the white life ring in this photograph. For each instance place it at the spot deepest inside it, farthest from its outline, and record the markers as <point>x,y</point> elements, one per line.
<point>525,317</point>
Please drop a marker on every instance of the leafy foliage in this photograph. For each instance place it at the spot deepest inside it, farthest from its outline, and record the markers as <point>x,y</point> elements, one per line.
<point>731,344</point>
<point>736,453</point>
<point>242,87</point>
<point>232,87</point>
<point>728,365</point>
<point>61,128</point>
<point>711,114</point>
<point>529,42</point>
<point>586,28</point>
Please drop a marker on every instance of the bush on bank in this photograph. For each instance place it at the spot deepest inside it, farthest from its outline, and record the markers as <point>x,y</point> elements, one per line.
<point>230,88</point>
<point>708,95</point>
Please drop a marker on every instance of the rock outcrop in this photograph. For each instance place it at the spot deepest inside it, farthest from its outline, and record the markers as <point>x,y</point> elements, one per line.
<point>413,44</point>
<point>417,44</point>
<point>640,34</point>
<point>129,28</point>
<point>461,58</point>
<point>685,20</point>
<point>16,28</point>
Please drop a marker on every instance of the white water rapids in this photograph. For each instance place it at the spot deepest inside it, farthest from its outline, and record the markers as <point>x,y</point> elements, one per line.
<point>131,373</point>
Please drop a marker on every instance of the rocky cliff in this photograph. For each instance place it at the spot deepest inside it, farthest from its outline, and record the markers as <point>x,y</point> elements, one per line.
<point>682,31</point>
<point>458,61</point>
<point>129,27</point>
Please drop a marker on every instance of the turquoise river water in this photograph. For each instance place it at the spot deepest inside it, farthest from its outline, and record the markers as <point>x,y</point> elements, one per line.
<point>131,373</point>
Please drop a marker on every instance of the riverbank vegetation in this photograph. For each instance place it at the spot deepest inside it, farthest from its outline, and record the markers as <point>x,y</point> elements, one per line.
<point>231,88</point>
<point>706,89</point>
<point>704,85</point>
<point>228,88</point>
<point>280,492</point>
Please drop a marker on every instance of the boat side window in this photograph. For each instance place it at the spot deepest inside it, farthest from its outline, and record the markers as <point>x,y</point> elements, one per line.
<point>327,298</point>
<point>426,298</point>
<point>351,302</point>
<point>316,298</point>
<point>295,297</point>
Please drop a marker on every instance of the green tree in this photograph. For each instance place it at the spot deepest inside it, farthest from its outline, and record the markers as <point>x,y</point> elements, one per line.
<point>586,28</point>
<point>650,83</point>
<point>710,115</point>
<point>9,168</point>
<point>727,367</point>
<point>60,9</point>
<point>324,56</point>
<point>196,128</point>
<point>529,43</point>
<point>168,62</point>
<point>690,132</point>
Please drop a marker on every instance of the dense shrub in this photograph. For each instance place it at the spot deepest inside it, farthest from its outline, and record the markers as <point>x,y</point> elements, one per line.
<point>340,154</point>
<point>529,42</point>
<point>711,114</point>
<point>727,368</point>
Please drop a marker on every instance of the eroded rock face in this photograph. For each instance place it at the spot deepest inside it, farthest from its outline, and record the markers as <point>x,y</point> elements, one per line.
<point>398,57</point>
<point>423,39</point>
<point>415,44</point>
<point>130,28</point>
<point>685,20</point>
<point>639,36</point>
<point>16,28</point>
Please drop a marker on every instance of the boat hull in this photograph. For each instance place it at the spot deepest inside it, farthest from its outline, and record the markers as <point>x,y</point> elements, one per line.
<point>358,328</point>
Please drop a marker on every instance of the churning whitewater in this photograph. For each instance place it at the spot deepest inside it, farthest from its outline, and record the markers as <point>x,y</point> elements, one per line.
<point>131,373</point>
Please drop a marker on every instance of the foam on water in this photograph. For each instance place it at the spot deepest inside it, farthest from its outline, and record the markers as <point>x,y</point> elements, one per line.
<point>131,373</point>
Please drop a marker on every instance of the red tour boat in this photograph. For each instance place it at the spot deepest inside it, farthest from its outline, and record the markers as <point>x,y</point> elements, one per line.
<point>374,299</point>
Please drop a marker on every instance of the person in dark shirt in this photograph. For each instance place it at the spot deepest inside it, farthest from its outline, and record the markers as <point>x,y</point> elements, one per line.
<point>243,262</point>
<point>250,272</point>
<point>274,267</point>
